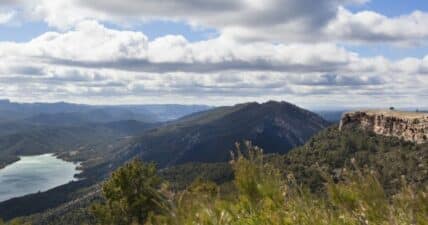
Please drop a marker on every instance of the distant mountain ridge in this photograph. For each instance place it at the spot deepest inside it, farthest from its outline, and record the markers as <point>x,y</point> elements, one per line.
<point>80,139</point>
<point>36,128</point>
<point>210,135</point>
<point>61,111</point>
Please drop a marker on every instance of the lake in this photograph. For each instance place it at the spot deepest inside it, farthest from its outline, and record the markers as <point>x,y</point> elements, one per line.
<point>32,174</point>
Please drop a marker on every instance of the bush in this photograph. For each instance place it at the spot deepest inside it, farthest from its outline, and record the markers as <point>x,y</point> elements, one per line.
<point>17,221</point>
<point>131,194</point>
<point>263,195</point>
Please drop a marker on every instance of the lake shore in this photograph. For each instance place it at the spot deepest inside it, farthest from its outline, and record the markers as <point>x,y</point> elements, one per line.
<point>32,174</point>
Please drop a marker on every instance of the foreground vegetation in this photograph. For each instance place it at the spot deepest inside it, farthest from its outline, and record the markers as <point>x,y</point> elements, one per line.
<point>259,194</point>
<point>397,164</point>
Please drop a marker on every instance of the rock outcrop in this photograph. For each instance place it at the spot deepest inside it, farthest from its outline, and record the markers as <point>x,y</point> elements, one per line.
<point>410,126</point>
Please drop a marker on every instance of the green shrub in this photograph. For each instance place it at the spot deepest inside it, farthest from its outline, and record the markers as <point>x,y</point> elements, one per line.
<point>265,196</point>
<point>131,194</point>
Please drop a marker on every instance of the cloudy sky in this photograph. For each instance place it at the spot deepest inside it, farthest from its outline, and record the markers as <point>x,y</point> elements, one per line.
<point>315,53</point>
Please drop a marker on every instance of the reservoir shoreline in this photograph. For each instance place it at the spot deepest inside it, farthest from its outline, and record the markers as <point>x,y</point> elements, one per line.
<point>37,173</point>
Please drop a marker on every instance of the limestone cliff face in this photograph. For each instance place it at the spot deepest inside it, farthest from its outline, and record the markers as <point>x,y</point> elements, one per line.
<point>410,126</point>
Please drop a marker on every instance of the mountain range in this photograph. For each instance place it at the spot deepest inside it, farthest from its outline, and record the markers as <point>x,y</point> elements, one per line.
<point>68,113</point>
<point>198,145</point>
<point>206,136</point>
<point>209,136</point>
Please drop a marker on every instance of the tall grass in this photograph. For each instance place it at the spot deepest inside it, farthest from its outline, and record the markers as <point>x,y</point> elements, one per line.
<point>263,196</point>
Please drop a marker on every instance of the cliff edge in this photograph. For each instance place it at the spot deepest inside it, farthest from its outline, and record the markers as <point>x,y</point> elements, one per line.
<point>410,126</point>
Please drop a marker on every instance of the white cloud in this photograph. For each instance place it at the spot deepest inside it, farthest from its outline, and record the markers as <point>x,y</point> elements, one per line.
<point>92,44</point>
<point>107,65</point>
<point>289,53</point>
<point>367,26</point>
<point>272,20</point>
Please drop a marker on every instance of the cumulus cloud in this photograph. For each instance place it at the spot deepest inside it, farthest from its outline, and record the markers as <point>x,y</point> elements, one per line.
<point>250,20</point>
<point>274,49</point>
<point>102,64</point>
<point>272,20</point>
<point>370,26</point>
<point>93,45</point>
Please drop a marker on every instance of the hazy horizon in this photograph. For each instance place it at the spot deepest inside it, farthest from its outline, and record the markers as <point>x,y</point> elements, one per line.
<point>322,108</point>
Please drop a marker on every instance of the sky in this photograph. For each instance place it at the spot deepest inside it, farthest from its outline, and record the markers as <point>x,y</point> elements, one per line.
<point>317,54</point>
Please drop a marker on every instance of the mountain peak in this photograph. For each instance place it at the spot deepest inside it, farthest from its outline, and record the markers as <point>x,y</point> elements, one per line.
<point>209,136</point>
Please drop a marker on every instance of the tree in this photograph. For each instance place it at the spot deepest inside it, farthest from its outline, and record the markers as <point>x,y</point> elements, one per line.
<point>131,195</point>
<point>17,221</point>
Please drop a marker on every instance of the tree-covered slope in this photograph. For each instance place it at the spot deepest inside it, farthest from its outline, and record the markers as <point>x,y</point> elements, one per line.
<point>82,142</point>
<point>325,154</point>
<point>330,150</point>
<point>209,136</point>
<point>258,193</point>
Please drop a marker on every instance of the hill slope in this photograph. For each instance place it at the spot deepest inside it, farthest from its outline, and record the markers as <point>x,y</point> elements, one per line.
<point>209,136</point>
<point>394,160</point>
<point>328,151</point>
<point>202,137</point>
<point>83,142</point>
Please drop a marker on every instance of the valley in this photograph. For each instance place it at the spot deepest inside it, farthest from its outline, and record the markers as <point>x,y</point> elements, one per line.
<point>199,146</point>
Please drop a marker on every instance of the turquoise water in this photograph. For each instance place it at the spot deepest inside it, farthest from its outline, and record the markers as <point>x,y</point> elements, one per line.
<point>32,174</point>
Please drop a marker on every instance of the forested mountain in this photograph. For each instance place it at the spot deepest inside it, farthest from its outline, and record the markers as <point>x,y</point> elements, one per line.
<point>66,113</point>
<point>209,136</point>
<point>201,137</point>
<point>77,143</point>
<point>37,128</point>
<point>394,160</point>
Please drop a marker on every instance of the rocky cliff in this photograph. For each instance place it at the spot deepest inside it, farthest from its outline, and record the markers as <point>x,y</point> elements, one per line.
<point>411,126</point>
